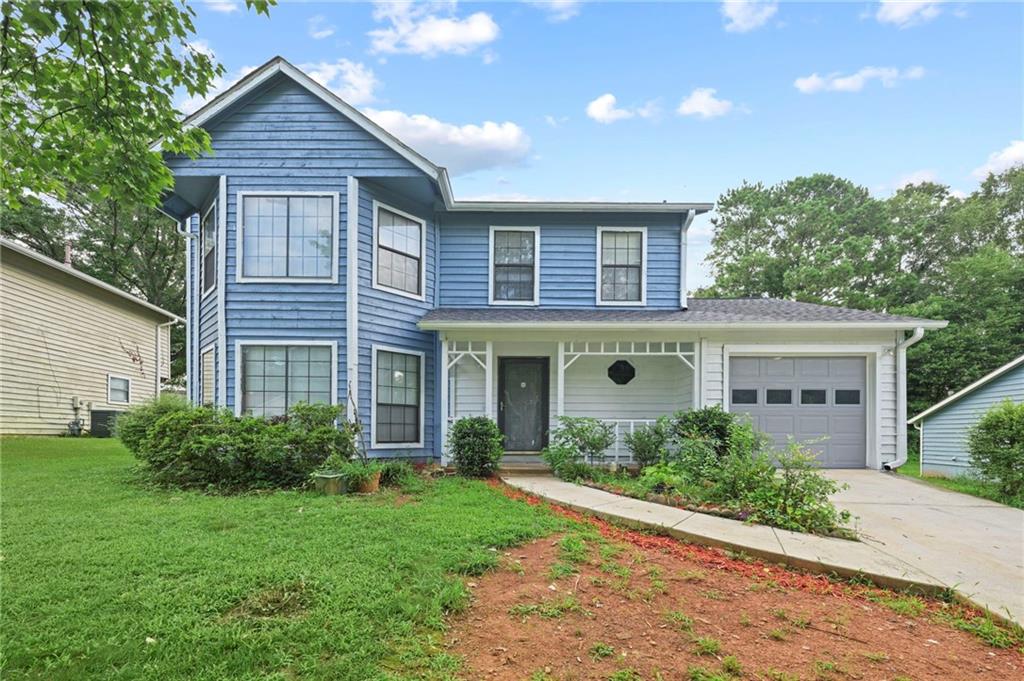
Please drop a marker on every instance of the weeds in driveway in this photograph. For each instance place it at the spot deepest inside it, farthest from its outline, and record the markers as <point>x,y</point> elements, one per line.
<point>599,651</point>
<point>679,620</point>
<point>707,646</point>
<point>731,666</point>
<point>778,635</point>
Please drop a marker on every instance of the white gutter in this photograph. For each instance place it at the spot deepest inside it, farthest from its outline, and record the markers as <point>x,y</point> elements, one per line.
<point>352,298</point>
<point>675,326</point>
<point>901,399</point>
<point>690,214</point>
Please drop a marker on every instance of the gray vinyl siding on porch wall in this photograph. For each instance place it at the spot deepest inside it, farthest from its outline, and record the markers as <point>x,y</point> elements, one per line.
<point>568,257</point>
<point>944,438</point>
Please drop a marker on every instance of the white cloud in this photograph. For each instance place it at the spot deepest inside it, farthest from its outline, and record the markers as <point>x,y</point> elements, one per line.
<point>888,76</point>
<point>746,15</point>
<point>917,177</point>
<point>222,6</point>
<point>191,104</point>
<point>352,81</point>
<point>460,148</point>
<point>703,103</point>
<point>418,29</point>
<point>202,47</point>
<point>558,10</point>
<point>604,110</point>
<point>555,121</point>
<point>906,13</point>
<point>319,28</point>
<point>998,161</point>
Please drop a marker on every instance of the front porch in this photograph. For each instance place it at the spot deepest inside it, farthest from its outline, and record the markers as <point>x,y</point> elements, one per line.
<point>527,385</point>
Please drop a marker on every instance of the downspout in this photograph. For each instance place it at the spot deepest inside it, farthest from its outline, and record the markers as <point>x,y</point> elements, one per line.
<point>687,221</point>
<point>189,241</point>
<point>919,426</point>
<point>901,399</point>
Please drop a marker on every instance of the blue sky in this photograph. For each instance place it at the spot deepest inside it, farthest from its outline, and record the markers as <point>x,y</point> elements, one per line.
<point>629,101</point>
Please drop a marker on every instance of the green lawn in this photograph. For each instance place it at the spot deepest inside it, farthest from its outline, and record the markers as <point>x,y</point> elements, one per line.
<point>962,484</point>
<point>104,578</point>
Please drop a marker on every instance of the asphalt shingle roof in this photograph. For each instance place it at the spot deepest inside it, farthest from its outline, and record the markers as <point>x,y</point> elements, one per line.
<point>700,311</point>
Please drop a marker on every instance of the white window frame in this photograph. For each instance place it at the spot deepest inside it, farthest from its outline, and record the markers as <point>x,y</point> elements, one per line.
<point>111,400</point>
<point>536,265</point>
<point>374,350</point>
<point>643,268</point>
<point>212,347</point>
<point>239,344</point>
<point>202,255</point>
<point>240,233</point>
<point>422,296</point>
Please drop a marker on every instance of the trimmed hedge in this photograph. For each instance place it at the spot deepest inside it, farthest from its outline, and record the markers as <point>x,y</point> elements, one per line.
<point>476,446</point>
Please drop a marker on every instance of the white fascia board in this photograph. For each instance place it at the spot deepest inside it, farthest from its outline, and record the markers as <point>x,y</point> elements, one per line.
<point>687,326</point>
<point>573,207</point>
<point>1012,364</point>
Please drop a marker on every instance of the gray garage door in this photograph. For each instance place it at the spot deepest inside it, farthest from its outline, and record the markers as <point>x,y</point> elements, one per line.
<point>819,401</point>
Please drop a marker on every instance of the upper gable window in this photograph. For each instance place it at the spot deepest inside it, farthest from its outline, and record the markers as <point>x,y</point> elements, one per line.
<point>288,236</point>
<point>622,265</point>
<point>399,243</point>
<point>208,247</point>
<point>515,261</point>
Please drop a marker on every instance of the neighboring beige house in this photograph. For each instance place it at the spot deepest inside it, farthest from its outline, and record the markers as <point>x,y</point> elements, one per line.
<point>73,347</point>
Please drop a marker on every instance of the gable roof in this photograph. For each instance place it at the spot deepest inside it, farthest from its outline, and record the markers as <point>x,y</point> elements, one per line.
<point>438,174</point>
<point>987,378</point>
<point>700,313</point>
<point>93,281</point>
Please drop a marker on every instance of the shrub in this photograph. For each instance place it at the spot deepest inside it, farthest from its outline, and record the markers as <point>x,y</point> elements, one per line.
<point>396,473</point>
<point>476,446</point>
<point>696,458</point>
<point>647,443</point>
<point>131,426</point>
<point>566,462</point>
<point>996,444</point>
<point>587,436</point>
<point>712,424</point>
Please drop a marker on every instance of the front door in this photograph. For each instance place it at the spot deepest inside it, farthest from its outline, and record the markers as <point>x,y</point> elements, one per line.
<point>523,402</point>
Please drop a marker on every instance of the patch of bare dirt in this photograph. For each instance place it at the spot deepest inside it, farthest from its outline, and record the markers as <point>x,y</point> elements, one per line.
<point>650,610</point>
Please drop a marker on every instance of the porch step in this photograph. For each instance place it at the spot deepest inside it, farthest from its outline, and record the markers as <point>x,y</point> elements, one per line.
<point>522,463</point>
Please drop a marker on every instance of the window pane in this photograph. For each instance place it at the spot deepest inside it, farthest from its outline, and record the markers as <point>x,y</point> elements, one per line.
<point>621,266</point>
<point>744,396</point>
<point>208,232</point>
<point>398,397</point>
<point>813,396</point>
<point>276,377</point>
<point>398,271</point>
<point>118,389</point>
<point>287,236</point>
<point>845,396</point>
<point>778,396</point>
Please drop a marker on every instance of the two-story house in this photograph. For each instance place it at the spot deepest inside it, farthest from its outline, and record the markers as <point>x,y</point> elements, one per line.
<point>330,262</point>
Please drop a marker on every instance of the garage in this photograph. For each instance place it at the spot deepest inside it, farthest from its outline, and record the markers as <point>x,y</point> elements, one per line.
<point>819,401</point>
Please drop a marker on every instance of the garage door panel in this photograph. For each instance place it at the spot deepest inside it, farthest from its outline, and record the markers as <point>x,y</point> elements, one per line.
<point>833,428</point>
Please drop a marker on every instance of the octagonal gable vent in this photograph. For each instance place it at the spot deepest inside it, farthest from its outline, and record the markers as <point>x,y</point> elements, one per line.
<point>621,372</point>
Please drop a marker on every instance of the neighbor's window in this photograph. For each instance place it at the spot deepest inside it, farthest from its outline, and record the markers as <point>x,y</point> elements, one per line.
<point>515,266</point>
<point>276,377</point>
<point>208,245</point>
<point>119,390</point>
<point>399,243</point>
<point>622,257</point>
<point>206,378</point>
<point>288,236</point>
<point>398,398</point>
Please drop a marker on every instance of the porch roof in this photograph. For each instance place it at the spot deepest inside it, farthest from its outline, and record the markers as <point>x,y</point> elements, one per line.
<point>701,313</point>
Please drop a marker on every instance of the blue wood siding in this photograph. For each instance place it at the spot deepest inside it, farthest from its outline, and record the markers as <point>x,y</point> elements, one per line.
<point>390,319</point>
<point>568,257</point>
<point>944,448</point>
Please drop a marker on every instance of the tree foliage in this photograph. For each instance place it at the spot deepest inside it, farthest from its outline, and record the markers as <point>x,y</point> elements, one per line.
<point>923,251</point>
<point>87,87</point>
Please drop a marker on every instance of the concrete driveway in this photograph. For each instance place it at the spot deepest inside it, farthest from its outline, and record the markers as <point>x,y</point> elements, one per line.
<point>962,541</point>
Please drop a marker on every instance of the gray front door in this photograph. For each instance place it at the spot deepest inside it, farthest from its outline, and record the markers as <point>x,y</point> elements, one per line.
<point>523,402</point>
<point>818,401</point>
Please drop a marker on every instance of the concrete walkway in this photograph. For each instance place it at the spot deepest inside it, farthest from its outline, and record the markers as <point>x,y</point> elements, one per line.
<point>884,560</point>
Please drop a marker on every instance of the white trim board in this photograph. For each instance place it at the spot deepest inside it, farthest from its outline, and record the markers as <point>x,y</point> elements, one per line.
<point>239,344</point>
<point>422,295</point>
<point>685,326</point>
<point>643,268</point>
<point>287,279</point>
<point>374,349</point>
<point>222,278</point>
<point>352,298</point>
<point>536,265</point>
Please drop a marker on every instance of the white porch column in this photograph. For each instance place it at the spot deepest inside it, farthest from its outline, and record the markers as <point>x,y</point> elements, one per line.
<point>489,382</point>
<point>444,400</point>
<point>560,411</point>
<point>698,370</point>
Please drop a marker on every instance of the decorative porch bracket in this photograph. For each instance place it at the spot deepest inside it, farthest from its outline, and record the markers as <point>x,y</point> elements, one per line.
<point>453,352</point>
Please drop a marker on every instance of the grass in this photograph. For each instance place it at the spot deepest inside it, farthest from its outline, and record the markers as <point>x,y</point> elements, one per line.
<point>104,578</point>
<point>706,646</point>
<point>962,484</point>
<point>552,609</point>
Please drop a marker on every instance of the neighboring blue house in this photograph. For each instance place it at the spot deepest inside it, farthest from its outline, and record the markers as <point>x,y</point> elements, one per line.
<point>330,262</point>
<point>945,425</point>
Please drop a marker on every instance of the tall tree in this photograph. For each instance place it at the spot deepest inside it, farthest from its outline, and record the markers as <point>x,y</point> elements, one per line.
<point>87,86</point>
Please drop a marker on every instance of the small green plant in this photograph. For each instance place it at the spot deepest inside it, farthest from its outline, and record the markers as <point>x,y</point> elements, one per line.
<point>476,446</point>
<point>627,674</point>
<point>553,609</point>
<point>561,569</point>
<point>745,620</point>
<point>908,606</point>
<point>599,651</point>
<point>706,646</point>
<point>573,548</point>
<point>647,442</point>
<point>692,575</point>
<point>702,674</point>
<point>714,595</point>
<point>731,665</point>
<point>540,675</point>
<point>825,668</point>
<point>589,437</point>
<point>984,628</point>
<point>679,620</point>
<point>777,634</point>
<point>877,657</point>
<point>776,675</point>
<point>996,445</point>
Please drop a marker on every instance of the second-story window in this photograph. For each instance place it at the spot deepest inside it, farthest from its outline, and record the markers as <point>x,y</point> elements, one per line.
<point>514,259</point>
<point>288,237</point>
<point>622,257</point>
<point>398,258</point>
<point>208,245</point>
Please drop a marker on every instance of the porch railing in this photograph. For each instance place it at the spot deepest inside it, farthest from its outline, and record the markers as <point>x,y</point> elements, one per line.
<point>619,452</point>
